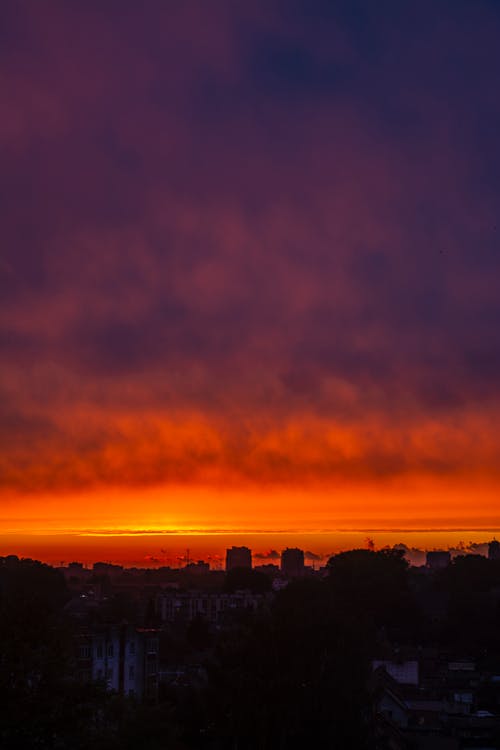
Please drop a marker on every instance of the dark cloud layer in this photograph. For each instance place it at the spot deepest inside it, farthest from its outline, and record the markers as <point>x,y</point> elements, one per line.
<point>255,218</point>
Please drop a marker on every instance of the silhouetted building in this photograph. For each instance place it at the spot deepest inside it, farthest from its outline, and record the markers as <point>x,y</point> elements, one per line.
<point>405,672</point>
<point>108,569</point>
<point>292,562</point>
<point>269,569</point>
<point>198,567</point>
<point>438,559</point>
<point>76,570</point>
<point>494,550</point>
<point>185,606</point>
<point>238,557</point>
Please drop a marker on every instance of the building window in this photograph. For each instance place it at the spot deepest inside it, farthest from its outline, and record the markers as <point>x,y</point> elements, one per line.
<point>131,672</point>
<point>131,648</point>
<point>110,651</point>
<point>98,651</point>
<point>84,652</point>
<point>109,674</point>
<point>99,674</point>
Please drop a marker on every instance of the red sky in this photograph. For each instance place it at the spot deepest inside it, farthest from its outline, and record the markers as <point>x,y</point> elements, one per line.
<point>249,277</point>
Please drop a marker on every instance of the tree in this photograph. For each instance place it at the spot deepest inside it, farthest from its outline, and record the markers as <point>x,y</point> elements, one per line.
<point>373,586</point>
<point>297,675</point>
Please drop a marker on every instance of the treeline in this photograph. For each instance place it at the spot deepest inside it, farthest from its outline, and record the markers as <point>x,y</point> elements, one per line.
<point>275,679</point>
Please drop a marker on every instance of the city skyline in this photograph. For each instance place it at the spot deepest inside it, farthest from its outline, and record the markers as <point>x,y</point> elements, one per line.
<point>216,556</point>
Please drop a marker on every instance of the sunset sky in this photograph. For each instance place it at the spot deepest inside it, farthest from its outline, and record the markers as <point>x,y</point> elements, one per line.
<point>249,276</point>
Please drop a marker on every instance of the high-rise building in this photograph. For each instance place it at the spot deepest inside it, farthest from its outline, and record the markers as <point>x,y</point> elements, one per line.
<point>292,562</point>
<point>238,557</point>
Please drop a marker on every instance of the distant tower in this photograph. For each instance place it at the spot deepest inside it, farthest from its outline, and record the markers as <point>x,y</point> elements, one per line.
<point>238,557</point>
<point>438,559</point>
<point>494,550</point>
<point>292,563</point>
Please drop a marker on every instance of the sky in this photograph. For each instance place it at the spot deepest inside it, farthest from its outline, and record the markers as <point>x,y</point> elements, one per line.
<point>250,274</point>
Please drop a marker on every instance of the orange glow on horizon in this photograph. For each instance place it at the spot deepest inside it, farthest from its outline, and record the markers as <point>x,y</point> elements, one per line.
<point>128,525</point>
